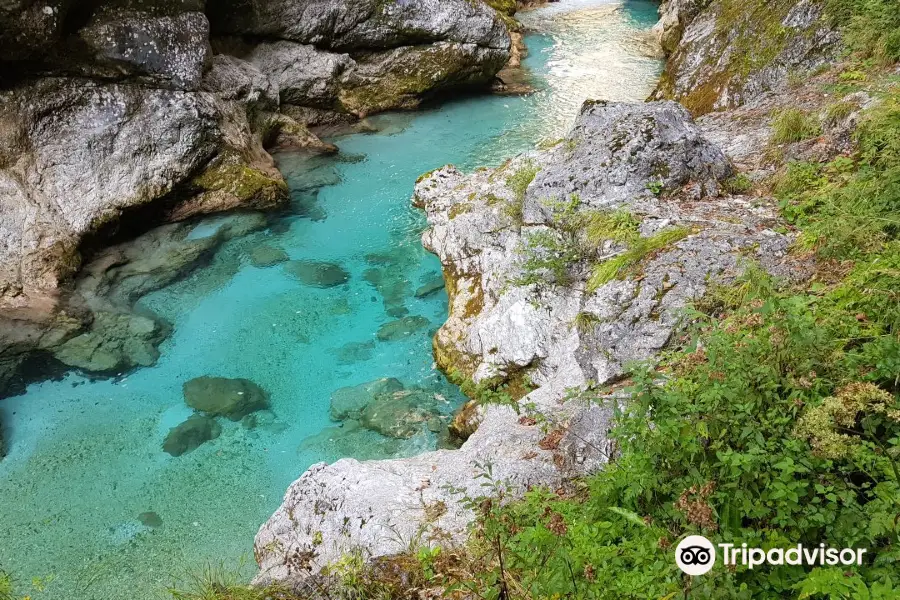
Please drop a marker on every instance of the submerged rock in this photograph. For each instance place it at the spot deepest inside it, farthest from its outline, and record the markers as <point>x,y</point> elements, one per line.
<point>433,285</point>
<point>267,256</point>
<point>191,434</point>
<point>401,328</point>
<point>150,518</point>
<point>349,402</point>
<point>401,414</point>
<point>317,273</point>
<point>354,352</point>
<point>219,396</point>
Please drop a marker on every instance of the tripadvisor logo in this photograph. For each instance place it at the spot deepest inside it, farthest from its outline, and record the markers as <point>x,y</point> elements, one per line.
<point>696,555</point>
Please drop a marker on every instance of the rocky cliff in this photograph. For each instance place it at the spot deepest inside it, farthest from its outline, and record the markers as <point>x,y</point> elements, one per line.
<point>115,116</point>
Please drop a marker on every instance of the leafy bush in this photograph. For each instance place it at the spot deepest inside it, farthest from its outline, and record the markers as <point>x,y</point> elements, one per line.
<point>777,424</point>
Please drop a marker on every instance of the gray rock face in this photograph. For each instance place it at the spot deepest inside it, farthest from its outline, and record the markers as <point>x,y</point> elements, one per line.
<point>170,49</point>
<point>367,24</point>
<point>378,506</point>
<point>77,154</point>
<point>303,74</point>
<point>721,60</point>
<point>647,164</point>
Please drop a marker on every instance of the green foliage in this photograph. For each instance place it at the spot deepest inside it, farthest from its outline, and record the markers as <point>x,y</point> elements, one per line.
<point>739,450</point>
<point>641,248</point>
<point>518,182</point>
<point>871,28</point>
<point>793,125</point>
<point>216,582</point>
<point>851,206</point>
<point>600,226</point>
<point>778,424</point>
<point>548,256</point>
<point>738,184</point>
<point>655,187</point>
<point>585,322</point>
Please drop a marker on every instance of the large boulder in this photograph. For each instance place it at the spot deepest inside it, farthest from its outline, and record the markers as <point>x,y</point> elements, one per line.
<point>345,25</point>
<point>349,402</point>
<point>191,434</point>
<point>75,156</point>
<point>220,396</point>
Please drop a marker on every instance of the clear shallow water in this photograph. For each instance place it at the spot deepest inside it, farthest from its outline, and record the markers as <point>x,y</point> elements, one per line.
<point>85,463</point>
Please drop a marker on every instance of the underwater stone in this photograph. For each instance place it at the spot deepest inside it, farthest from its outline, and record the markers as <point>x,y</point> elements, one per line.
<point>267,256</point>
<point>150,519</point>
<point>191,434</point>
<point>401,328</point>
<point>430,287</point>
<point>400,414</point>
<point>348,402</point>
<point>318,274</point>
<point>219,396</point>
<point>354,352</point>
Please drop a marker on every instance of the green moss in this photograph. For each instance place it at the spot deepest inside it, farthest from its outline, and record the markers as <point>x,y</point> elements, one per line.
<point>416,73</point>
<point>245,183</point>
<point>504,7</point>
<point>618,266</point>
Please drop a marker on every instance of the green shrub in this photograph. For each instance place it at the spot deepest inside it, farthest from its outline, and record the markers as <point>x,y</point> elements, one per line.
<point>871,28</point>
<point>518,182</point>
<point>793,125</point>
<point>850,206</point>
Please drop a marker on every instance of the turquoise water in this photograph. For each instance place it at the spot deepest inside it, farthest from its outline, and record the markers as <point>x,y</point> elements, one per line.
<point>85,465</point>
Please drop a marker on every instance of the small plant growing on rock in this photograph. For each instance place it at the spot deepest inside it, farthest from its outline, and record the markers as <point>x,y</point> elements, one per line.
<point>793,125</point>
<point>618,265</point>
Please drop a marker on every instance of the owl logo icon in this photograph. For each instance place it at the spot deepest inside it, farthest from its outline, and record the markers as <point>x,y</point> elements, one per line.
<point>695,555</point>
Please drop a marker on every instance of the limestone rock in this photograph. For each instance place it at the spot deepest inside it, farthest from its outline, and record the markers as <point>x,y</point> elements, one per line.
<point>114,343</point>
<point>219,396</point>
<point>373,506</point>
<point>171,49</point>
<point>349,402</point>
<point>400,414</point>
<point>191,434</point>
<point>77,155</point>
<point>430,287</point>
<point>362,24</point>
<point>711,47</point>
